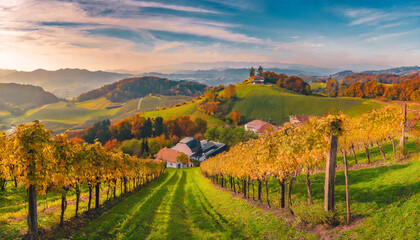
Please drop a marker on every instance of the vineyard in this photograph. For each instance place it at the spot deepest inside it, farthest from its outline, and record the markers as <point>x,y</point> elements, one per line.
<point>352,175</point>
<point>43,164</point>
<point>287,153</point>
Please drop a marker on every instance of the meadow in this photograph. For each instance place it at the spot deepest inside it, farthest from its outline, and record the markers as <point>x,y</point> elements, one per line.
<point>275,104</point>
<point>62,116</point>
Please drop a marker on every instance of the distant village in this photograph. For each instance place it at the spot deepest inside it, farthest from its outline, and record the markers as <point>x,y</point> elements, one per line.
<point>189,152</point>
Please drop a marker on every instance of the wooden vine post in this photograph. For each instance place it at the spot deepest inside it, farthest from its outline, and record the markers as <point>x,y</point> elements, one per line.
<point>404,123</point>
<point>334,129</point>
<point>330,173</point>
<point>347,186</point>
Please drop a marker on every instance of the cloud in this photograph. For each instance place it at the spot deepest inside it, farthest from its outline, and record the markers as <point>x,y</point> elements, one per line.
<point>53,11</point>
<point>168,46</point>
<point>367,16</point>
<point>297,46</point>
<point>169,6</point>
<point>388,35</point>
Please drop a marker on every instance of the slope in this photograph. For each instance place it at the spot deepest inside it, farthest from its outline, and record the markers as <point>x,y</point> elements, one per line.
<point>269,103</point>
<point>61,116</point>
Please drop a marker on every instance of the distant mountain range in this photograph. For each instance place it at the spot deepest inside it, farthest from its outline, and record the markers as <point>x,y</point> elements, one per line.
<point>396,71</point>
<point>63,82</point>
<point>221,76</point>
<point>73,82</point>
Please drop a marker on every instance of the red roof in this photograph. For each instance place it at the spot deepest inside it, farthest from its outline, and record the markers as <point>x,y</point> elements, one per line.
<point>167,154</point>
<point>260,126</point>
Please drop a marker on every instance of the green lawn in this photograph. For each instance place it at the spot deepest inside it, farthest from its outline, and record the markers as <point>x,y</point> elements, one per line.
<point>184,205</point>
<point>269,103</point>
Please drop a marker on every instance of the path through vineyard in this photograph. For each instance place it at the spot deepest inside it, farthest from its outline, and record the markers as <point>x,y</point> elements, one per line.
<point>184,205</point>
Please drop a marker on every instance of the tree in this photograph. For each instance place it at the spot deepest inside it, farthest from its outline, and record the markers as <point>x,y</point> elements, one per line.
<point>260,70</point>
<point>183,158</point>
<point>235,117</point>
<point>252,72</point>
<point>100,131</point>
<point>147,129</point>
<point>230,92</point>
<point>121,130</point>
<point>31,143</point>
<point>158,126</point>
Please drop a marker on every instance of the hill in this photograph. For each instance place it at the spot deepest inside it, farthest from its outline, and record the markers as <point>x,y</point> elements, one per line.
<point>338,76</point>
<point>269,103</point>
<point>222,76</point>
<point>63,82</point>
<point>16,98</point>
<point>276,104</point>
<point>131,88</point>
<point>397,70</point>
<point>61,116</point>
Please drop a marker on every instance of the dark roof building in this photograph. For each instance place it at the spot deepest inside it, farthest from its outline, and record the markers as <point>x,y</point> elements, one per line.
<point>197,150</point>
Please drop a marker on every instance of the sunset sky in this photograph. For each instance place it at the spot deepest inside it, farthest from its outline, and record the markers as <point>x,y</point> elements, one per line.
<point>149,35</point>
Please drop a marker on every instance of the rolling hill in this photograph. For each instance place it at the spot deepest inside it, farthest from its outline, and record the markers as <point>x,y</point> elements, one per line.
<point>269,103</point>
<point>16,98</point>
<point>62,82</point>
<point>132,88</point>
<point>61,116</point>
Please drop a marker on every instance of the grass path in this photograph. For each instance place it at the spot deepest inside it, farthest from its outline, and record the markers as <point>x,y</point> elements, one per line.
<point>184,205</point>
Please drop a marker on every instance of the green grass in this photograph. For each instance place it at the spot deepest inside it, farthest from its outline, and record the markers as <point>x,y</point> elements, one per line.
<point>184,205</point>
<point>385,197</point>
<point>14,207</point>
<point>269,103</point>
<point>60,116</point>
<point>315,85</point>
<point>189,109</point>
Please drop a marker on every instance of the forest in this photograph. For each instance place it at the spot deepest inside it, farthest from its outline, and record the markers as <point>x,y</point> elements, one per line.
<point>131,88</point>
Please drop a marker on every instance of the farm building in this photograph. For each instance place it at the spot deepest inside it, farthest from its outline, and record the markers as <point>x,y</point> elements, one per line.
<point>297,120</point>
<point>258,80</point>
<point>191,147</point>
<point>197,150</point>
<point>171,157</point>
<point>260,127</point>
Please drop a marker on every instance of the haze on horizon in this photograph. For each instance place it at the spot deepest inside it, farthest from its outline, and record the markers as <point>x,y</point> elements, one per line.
<point>149,35</point>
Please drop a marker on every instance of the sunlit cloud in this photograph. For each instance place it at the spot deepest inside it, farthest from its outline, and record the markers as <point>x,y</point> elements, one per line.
<point>144,35</point>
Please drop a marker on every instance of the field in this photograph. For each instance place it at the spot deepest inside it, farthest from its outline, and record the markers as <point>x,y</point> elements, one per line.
<point>268,103</point>
<point>189,109</point>
<point>315,85</point>
<point>61,116</point>
<point>182,204</point>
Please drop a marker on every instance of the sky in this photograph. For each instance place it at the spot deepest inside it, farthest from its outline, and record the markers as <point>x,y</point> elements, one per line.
<point>143,36</point>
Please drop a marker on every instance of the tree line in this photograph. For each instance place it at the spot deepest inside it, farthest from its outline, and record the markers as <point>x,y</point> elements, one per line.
<point>44,163</point>
<point>406,88</point>
<point>154,133</point>
<point>293,83</point>
<point>131,88</point>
